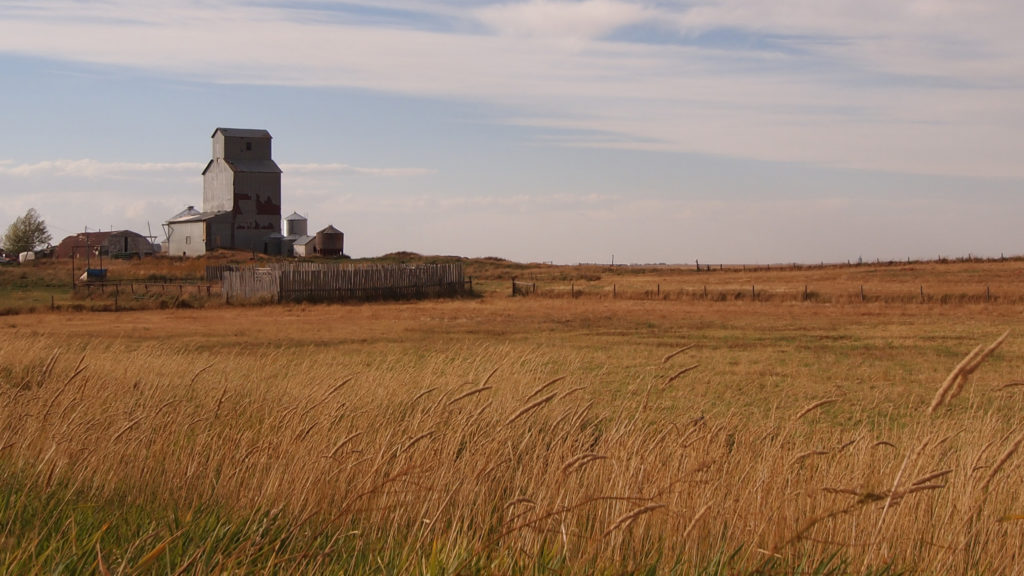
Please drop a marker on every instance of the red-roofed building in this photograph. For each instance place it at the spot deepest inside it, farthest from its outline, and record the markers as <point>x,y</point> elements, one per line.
<point>116,243</point>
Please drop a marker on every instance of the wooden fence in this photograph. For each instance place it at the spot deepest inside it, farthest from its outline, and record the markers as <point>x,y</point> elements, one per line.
<point>320,282</point>
<point>251,284</point>
<point>215,273</point>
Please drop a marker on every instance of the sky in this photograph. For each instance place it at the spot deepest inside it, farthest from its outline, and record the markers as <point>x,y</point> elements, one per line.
<point>719,131</point>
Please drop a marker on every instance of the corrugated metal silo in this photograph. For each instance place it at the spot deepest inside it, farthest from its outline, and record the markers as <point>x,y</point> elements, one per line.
<point>330,242</point>
<point>295,225</point>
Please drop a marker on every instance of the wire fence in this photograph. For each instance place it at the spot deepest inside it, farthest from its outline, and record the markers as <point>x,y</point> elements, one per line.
<point>827,294</point>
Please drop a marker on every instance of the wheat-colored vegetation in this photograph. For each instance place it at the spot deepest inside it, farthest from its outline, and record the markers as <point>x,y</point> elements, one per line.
<point>505,436</point>
<point>170,282</point>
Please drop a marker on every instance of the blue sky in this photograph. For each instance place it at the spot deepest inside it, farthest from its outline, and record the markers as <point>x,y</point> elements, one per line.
<point>566,131</point>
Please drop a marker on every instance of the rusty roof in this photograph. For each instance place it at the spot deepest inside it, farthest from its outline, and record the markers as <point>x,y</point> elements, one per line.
<point>68,244</point>
<point>330,230</point>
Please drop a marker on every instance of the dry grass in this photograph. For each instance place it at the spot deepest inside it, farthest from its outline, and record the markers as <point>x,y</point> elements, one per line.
<point>492,436</point>
<point>932,283</point>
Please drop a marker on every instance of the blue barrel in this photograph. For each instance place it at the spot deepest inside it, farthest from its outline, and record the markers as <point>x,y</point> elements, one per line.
<point>96,274</point>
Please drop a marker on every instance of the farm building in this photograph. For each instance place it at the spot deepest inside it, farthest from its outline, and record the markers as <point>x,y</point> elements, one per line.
<point>115,243</point>
<point>304,246</point>
<point>329,242</point>
<point>241,197</point>
<point>194,233</point>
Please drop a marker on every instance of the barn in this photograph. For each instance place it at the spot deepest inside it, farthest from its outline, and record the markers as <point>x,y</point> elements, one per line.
<point>114,244</point>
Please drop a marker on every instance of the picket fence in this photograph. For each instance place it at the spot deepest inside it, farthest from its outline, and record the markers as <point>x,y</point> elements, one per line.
<point>319,282</point>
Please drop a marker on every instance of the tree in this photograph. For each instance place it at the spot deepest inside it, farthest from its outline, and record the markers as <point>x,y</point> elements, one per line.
<point>27,233</point>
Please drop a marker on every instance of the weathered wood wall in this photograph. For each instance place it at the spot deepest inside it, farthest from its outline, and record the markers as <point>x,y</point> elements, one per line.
<point>319,281</point>
<point>251,284</point>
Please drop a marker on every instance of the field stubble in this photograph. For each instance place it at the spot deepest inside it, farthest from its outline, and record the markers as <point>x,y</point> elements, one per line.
<point>511,436</point>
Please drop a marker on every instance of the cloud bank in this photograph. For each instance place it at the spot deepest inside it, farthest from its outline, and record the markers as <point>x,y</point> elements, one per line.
<point>914,87</point>
<point>89,168</point>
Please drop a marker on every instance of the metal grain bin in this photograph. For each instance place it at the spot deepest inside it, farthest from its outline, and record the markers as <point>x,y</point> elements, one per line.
<point>330,242</point>
<point>273,245</point>
<point>295,225</point>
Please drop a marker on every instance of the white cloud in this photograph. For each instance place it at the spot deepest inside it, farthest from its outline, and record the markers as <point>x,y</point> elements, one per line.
<point>570,20</point>
<point>336,168</point>
<point>89,168</point>
<point>921,87</point>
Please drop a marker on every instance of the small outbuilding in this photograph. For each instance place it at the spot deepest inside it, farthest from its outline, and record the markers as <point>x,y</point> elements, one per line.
<point>304,246</point>
<point>194,233</point>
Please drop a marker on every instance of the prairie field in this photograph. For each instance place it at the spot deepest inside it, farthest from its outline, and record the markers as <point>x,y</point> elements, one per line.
<point>830,420</point>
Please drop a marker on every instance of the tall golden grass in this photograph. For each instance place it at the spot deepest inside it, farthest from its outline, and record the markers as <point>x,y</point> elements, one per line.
<point>483,456</point>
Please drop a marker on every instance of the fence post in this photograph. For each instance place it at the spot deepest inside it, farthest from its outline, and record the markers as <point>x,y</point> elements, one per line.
<point>753,294</point>
<point>513,285</point>
<point>861,292</point>
<point>805,292</point>
<point>613,290</point>
<point>659,290</point>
